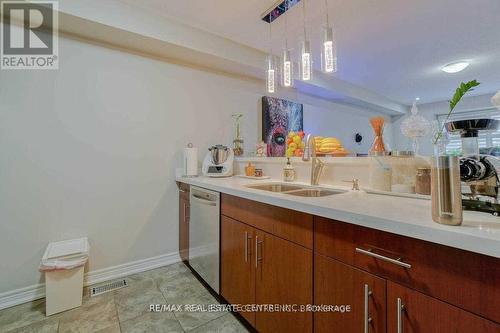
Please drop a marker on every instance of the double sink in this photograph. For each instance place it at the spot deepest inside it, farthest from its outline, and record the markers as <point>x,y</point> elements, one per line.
<point>297,190</point>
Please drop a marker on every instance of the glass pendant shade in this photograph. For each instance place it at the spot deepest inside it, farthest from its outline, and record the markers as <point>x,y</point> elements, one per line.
<point>287,70</point>
<point>306,70</point>
<point>271,74</point>
<point>328,51</point>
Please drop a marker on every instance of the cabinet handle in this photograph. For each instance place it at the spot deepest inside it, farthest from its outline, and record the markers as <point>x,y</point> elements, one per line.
<point>203,200</point>
<point>186,214</point>
<point>400,309</point>
<point>246,246</point>
<point>367,318</point>
<point>397,261</point>
<point>247,252</point>
<point>257,258</point>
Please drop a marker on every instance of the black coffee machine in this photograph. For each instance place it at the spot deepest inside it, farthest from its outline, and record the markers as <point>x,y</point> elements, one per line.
<point>479,173</point>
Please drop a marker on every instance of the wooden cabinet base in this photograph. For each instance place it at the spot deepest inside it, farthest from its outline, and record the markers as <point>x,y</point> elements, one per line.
<point>391,283</point>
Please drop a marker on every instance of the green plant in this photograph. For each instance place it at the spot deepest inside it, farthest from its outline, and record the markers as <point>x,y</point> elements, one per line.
<point>462,89</point>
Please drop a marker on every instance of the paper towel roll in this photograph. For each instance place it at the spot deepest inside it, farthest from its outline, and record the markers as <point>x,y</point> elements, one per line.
<point>191,161</point>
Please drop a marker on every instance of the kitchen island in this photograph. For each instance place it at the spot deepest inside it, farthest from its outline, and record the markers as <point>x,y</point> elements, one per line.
<point>381,255</point>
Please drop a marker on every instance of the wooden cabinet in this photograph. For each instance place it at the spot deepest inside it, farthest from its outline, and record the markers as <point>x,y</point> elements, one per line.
<point>237,264</point>
<point>360,297</point>
<point>283,276</point>
<point>410,311</point>
<point>184,221</point>
<point>391,283</point>
<point>462,278</point>
<point>260,268</point>
<point>288,224</point>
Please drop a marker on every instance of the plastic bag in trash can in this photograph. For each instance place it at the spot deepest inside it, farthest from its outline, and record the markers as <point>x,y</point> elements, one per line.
<point>67,254</point>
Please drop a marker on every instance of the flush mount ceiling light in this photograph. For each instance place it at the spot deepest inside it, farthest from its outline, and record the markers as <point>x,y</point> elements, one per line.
<point>455,67</point>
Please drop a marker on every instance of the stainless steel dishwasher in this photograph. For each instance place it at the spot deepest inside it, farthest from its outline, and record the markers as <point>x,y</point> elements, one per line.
<point>204,234</point>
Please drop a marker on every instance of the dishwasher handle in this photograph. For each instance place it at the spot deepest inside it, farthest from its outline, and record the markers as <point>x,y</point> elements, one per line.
<point>203,200</point>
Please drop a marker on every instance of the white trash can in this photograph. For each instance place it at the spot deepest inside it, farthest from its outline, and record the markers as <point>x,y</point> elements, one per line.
<point>63,264</point>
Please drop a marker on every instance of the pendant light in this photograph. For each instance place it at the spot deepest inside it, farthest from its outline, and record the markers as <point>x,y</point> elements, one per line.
<point>287,64</point>
<point>271,71</point>
<point>328,47</point>
<point>305,54</point>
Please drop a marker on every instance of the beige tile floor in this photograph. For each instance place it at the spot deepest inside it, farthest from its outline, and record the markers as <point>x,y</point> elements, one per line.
<point>127,309</point>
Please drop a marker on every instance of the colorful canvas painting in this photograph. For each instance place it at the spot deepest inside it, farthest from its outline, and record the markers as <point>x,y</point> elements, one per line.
<point>279,117</point>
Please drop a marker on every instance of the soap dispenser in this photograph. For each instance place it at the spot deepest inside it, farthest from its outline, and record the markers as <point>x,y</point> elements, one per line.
<point>288,172</point>
<point>250,170</point>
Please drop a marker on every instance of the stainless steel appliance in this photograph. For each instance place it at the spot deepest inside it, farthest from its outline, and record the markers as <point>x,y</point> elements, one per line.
<point>204,234</point>
<point>218,162</point>
<point>479,173</point>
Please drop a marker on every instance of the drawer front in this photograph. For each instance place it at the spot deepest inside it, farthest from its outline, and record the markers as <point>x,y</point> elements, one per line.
<point>291,225</point>
<point>465,279</point>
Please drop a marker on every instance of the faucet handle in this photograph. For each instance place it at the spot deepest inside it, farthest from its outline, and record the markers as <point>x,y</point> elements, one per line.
<point>355,183</point>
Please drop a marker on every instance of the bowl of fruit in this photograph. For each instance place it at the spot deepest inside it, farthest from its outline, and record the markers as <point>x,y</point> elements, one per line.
<point>295,144</point>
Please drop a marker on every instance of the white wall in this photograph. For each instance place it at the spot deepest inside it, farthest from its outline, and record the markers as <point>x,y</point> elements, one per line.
<point>91,150</point>
<point>344,122</point>
<point>430,111</point>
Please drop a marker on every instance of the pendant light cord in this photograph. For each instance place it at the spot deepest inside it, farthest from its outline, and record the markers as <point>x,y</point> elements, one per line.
<point>304,18</point>
<point>287,6</point>
<point>327,18</point>
<point>270,36</point>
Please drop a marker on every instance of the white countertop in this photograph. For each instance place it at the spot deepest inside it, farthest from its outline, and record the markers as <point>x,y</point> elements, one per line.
<point>410,217</point>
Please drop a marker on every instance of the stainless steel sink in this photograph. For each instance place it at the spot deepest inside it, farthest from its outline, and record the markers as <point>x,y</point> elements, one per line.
<point>276,187</point>
<point>297,190</point>
<point>314,192</point>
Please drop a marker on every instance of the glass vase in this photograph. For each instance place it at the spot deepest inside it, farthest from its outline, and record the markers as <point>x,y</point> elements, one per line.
<point>378,146</point>
<point>446,194</point>
<point>238,141</point>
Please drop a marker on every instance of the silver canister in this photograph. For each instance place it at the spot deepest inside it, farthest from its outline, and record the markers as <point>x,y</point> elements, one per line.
<point>446,194</point>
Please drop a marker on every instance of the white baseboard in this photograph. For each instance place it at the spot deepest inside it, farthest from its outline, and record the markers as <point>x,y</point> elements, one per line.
<point>37,291</point>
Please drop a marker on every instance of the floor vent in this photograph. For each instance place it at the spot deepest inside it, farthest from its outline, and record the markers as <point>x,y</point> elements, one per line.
<point>107,287</point>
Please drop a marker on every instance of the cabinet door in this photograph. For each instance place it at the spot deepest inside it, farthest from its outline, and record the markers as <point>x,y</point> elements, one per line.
<point>283,276</point>
<point>338,284</point>
<point>184,225</point>
<point>410,311</point>
<point>237,272</point>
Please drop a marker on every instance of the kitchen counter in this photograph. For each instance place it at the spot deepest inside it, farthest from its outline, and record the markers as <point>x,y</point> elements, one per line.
<point>410,217</point>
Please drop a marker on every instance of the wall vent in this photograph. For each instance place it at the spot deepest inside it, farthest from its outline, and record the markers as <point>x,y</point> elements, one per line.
<point>107,287</point>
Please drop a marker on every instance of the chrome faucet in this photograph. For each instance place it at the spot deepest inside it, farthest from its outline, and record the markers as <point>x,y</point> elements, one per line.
<point>317,165</point>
